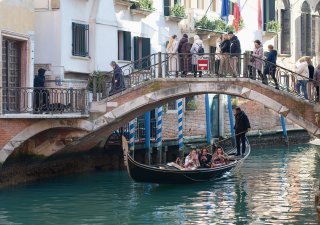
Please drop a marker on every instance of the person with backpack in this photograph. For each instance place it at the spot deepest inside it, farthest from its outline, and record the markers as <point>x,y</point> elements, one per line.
<point>196,50</point>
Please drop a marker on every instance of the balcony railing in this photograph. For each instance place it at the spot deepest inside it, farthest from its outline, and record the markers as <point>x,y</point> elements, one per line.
<point>43,100</point>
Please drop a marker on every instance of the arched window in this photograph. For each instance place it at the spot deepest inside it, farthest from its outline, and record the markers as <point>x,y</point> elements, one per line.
<point>306,45</point>
<point>284,14</point>
<point>316,30</point>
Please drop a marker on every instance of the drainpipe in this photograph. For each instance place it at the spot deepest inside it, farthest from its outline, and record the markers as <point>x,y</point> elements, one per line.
<point>208,119</point>
<point>231,120</point>
<point>147,130</point>
<point>180,126</point>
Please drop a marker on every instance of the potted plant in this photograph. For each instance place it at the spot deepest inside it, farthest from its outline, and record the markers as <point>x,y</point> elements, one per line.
<point>273,26</point>
<point>220,26</point>
<point>178,11</point>
<point>191,104</point>
<point>142,6</point>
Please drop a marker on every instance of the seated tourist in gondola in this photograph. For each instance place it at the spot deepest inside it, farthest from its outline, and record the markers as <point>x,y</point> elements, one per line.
<point>205,159</point>
<point>219,157</point>
<point>192,160</point>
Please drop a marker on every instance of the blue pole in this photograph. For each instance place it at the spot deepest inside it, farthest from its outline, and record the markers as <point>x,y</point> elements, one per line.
<point>147,130</point>
<point>231,120</point>
<point>284,128</point>
<point>208,119</point>
<point>159,133</point>
<point>180,125</point>
<point>131,136</point>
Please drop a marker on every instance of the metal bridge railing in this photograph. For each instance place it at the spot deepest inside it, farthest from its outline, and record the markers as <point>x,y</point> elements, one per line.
<point>165,65</point>
<point>43,100</point>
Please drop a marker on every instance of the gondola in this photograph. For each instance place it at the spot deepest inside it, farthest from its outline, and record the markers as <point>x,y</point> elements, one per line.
<point>166,174</point>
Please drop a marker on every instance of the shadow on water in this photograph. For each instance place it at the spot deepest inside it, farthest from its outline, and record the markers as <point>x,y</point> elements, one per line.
<point>274,186</point>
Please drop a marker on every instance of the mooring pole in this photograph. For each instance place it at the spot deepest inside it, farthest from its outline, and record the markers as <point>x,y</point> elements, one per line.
<point>147,132</point>
<point>231,120</point>
<point>131,137</point>
<point>284,128</point>
<point>180,126</point>
<point>159,133</point>
<point>208,119</point>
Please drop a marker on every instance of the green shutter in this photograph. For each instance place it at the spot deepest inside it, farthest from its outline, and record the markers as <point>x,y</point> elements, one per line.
<point>166,7</point>
<point>269,12</point>
<point>127,45</point>
<point>145,52</point>
<point>136,51</point>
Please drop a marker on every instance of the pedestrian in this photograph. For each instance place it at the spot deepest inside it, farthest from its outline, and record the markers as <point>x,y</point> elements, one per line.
<point>41,95</point>
<point>235,51</point>
<point>195,50</point>
<point>302,76</point>
<point>270,66</point>
<point>311,75</point>
<point>241,127</point>
<point>117,79</point>
<point>173,58</point>
<point>217,55</point>
<point>256,60</point>
<point>224,59</point>
<point>317,81</point>
<point>184,53</point>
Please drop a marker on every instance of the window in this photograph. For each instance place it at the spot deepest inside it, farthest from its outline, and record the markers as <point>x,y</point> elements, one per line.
<point>141,51</point>
<point>172,105</point>
<point>168,4</point>
<point>285,31</point>
<point>269,12</point>
<point>124,45</point>
<point>80,39</point>
<point>190,103</point>
<point>306,43</point>
<point>316,30</point>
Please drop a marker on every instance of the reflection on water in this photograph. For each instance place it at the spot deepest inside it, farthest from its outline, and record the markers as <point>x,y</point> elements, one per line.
<point>274,186</point>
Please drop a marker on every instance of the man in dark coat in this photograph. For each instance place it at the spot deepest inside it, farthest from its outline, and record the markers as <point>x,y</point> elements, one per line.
<point>235,51</point>
<point>205,159</point>
<point>185,56</point>
<point>270,68</point>
<point>117,79</point>
<point>241,127</point>
<point>41,96</point>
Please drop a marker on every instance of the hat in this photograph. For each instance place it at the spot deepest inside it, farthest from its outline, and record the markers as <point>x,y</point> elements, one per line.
<point>238,108</point>
<point>230,32</point>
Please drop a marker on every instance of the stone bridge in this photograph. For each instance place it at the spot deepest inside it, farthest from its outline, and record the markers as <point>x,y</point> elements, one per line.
<point>81,134</point>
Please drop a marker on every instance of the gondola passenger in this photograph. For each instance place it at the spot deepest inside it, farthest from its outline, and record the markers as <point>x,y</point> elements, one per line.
<point>192,160</point>
<point>205,159</point>
<point>219,158</point>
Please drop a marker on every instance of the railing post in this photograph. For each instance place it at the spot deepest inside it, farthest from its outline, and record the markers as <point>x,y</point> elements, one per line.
<point>94,89</point>
<point>83,101</point>
<point>246,57</point>
<point>71,99</point>
<point>159,65</point>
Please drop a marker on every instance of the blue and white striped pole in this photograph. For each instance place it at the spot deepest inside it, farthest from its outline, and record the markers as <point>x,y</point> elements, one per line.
<point>159,133</point>
<point>131,136</point>
<point>180,126</point>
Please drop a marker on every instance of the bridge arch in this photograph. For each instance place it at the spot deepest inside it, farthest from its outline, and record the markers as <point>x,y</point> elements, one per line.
<point>39,127</point>
<point>140,99</point>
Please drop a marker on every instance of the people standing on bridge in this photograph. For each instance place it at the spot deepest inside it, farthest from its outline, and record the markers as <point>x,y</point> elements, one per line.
<point>224,59</point>
<point>184,53</point>
<point>235,51</point>
<point>117,79</point>
<point>256,60</point>
<point>173,58</point>
<point>302,76</point>
<point>317,82</point>
<point>311,75</point>
<point>270,66</point>
<point>217,55</point>
<point>241,127</point>
<point>195,50</point>
<point>41,95</point>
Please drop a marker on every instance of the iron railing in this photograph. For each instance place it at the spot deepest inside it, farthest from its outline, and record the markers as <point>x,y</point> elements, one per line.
<point>140,130</point>
<point>213,65</point>
<point>43,100</point>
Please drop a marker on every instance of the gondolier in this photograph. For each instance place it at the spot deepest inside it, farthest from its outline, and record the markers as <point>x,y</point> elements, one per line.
<point>241,127</point>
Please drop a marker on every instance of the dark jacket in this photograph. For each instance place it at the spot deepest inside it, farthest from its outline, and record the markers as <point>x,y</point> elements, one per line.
<point>271,57</point>
<point>118,79</point>
<point>242,123</point>
<point>311,71</point>
<point>225,46</point>
<point>235,46</point>
<point>181,43</point>
<point>40,79</point>
<point>205,163</point>
<point>185,58</point>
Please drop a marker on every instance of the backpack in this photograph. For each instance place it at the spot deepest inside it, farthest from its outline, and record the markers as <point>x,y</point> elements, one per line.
<point>200,50</point>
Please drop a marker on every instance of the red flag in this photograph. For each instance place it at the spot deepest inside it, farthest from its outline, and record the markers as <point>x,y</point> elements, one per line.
<point>259,15</point>
<point>236,18</point>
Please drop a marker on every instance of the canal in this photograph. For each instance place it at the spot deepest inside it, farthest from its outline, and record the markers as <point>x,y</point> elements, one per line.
<point>274,186</point>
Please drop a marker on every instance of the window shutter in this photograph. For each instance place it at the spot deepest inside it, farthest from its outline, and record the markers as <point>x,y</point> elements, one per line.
<point>127,45</point>
<point>272,10</point>
<point>136,51</point>
<point>303,34</point>
<point>166,7</point>
<point>285,31</point>
<point>269,12</point>
<point>146,52</point>
<point>308,34</point>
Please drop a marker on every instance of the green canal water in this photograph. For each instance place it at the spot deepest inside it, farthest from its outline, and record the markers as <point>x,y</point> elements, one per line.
<point>274,186</point>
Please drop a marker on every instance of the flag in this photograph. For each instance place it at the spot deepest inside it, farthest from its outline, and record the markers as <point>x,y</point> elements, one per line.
<point>225,9</point>
<point>259,15</point>
<point>237,15</point>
